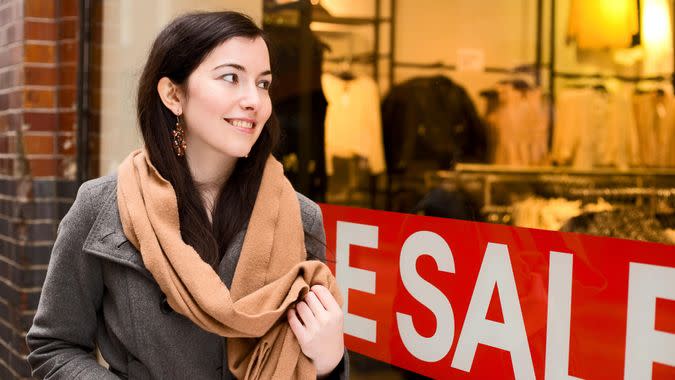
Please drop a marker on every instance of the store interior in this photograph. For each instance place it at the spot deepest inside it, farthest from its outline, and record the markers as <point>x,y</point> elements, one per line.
<point>556,115</point>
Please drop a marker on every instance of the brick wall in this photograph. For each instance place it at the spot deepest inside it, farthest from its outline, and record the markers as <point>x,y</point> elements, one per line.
<point>38,87</point>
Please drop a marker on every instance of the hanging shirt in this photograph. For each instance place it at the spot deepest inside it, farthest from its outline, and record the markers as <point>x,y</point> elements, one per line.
<point>353,122</point>
<point>595,129</point>
<point>518,127</point>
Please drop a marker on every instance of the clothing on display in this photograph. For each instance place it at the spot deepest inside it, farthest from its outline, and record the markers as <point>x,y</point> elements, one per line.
<point>631,223</point>
<point>287,97</point>
<point>670,234</point>
<point>655,117</point>
<point>353,124</point>
<point>622,128</point>
<point>518,125</point>
<point>431,120</point>
<point>551,214</point>
<point>601,218</point>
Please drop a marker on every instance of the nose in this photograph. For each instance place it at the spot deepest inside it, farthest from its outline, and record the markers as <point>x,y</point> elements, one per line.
<point>250,97</point>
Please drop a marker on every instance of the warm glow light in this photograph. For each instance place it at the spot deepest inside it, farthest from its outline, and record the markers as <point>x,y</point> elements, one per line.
<point>602,24</point>
<point>656,32</point>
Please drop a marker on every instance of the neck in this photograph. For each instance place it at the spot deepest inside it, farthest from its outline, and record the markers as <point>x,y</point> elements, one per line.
<point>210,171</point>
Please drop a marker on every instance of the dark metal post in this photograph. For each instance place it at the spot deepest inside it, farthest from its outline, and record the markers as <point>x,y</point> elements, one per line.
<point>392,60</point>
<point>84,62</point>
<point>537,68</point>
<point>392,42</point>
<point>376,74</point>
<point>376,43</point>
<point>672,27</point>
<point>551,77</point>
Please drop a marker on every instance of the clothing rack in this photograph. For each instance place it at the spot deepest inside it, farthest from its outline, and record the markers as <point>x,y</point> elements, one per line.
<point>623,78</point>
<point>363,58</point>
<point>306,12</point>
<point>532,69</point>
<point>637,182</point>
<point>623,192</point>
<point>301,14</point>
<point>636,194</point>
<point>524,69</point>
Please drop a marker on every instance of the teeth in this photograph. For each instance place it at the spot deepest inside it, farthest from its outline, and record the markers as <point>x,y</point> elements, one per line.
<point>241,123</point>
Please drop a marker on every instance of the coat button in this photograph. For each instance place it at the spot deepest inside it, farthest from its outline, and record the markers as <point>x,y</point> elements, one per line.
<point>164,305</point>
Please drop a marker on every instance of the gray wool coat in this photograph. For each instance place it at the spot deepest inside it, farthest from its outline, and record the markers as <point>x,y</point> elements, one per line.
<point>99,294</point>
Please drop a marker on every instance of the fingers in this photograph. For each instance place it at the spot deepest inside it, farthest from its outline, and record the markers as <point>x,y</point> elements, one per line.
<point>306,316</point>
<point>315,305</point>
<point>326,298</point>
<point>296,326</point>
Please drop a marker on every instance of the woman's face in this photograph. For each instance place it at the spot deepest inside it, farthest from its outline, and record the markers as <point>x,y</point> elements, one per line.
<point>228,100</point>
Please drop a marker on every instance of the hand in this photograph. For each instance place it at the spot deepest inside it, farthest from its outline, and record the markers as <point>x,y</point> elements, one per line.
<point>317,323</point>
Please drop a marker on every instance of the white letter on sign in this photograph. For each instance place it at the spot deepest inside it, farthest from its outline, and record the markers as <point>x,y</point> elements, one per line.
<point>644,344</point>
<point>434,348</point>
<point>354,278</point>
<point>510,336</point>
<point>558,316</point>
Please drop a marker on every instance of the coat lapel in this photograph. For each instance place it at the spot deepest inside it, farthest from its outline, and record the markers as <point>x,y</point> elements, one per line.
<point>106,238</point>
<point>107,241</point>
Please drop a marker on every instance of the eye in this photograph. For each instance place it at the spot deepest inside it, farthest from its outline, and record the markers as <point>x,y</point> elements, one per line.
<point>264,84</point>
<point>232,78</point>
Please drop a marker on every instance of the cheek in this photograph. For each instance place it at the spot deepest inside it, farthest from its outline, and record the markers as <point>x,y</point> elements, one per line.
<point>266,108</point>
<point>206,96</point>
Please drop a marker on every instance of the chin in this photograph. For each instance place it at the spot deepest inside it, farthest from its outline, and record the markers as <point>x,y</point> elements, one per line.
<point>237,153</point>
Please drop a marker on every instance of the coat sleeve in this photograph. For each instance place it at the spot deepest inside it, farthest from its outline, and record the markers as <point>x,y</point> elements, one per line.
<point>315,243</point>
<point>62,338</point>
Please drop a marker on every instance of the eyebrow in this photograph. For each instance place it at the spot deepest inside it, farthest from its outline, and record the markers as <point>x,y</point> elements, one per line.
<point>240,68</point>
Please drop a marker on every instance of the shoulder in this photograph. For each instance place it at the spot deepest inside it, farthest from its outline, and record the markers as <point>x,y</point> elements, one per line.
<point>99,186</point>
<point>315,235</point>
<point>91,197</point>
<point>97,190</point>
<point>310,213</point>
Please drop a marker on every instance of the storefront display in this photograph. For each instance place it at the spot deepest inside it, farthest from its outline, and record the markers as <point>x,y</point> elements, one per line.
<point>543,115</point>
<point>463,300</point>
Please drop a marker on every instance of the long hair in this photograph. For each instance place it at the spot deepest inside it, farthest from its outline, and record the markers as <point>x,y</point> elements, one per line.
<point>176,53</point>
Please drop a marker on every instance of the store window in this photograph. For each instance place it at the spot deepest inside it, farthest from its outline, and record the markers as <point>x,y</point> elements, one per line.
<point>550,115</point>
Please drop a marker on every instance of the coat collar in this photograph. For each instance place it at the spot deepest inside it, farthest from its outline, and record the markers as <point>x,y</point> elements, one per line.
<point>106,238</point>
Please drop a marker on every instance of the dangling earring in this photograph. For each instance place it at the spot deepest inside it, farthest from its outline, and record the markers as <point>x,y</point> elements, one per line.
<point>178,138</point>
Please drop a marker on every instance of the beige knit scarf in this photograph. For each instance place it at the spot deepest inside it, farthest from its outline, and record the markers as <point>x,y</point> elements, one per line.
<point>271,274</point>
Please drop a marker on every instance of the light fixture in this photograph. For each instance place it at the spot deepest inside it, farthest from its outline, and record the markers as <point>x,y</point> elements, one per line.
<point>602,24</point>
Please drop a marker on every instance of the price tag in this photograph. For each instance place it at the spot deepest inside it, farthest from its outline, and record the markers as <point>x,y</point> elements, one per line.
<point>470,60</point>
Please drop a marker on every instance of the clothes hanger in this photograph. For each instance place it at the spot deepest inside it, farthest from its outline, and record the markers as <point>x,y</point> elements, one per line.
<point>345,73</point>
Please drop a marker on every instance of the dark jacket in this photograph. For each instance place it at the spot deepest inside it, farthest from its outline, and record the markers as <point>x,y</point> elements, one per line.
<point>431,120</point>
<point>99,294</point>
<point>300,106</point>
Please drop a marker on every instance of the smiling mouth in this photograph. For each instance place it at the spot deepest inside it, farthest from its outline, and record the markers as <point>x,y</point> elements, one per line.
<point>241,123</point>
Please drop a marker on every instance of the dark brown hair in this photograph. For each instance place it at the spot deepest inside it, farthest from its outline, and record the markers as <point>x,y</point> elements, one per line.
<point>176,53</point>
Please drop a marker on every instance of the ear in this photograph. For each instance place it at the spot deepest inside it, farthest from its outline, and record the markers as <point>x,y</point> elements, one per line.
<point>171,95</point>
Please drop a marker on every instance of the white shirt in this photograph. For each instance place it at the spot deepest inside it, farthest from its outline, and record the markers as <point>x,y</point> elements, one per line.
<point>353,121</point>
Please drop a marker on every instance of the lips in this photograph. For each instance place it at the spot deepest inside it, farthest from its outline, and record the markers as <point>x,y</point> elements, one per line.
<point>243,125</point>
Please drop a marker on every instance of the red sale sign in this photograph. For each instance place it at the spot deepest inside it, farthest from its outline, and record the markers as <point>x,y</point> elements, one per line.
<point>463,300</point>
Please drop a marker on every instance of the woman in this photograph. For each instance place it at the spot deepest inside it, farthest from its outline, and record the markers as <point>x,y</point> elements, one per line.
<point>143,267</point>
